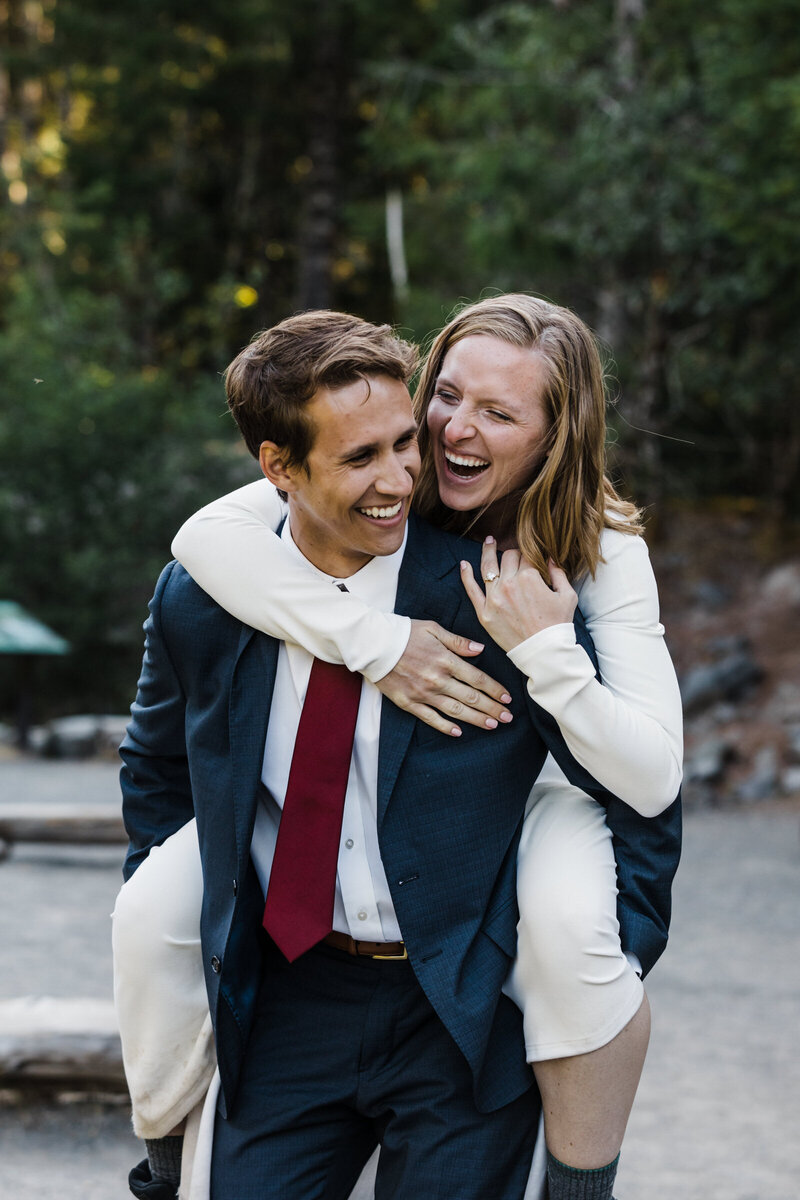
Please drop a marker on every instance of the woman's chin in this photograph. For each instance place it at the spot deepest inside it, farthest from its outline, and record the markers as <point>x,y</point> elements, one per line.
<point>462,496</point>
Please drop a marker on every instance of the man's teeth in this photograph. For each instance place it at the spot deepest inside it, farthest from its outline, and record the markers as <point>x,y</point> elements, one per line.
<point>383,512</point>
<point>462,460</point>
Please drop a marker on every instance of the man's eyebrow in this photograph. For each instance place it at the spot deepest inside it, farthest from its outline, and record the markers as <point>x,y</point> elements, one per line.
<point>371,447</point>
<point>357,451</point>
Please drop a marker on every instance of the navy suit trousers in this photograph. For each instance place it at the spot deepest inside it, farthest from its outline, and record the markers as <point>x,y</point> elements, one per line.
<point>347,1053</point>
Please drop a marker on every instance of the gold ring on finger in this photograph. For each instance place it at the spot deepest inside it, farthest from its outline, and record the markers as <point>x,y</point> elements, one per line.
<point>491,576</point>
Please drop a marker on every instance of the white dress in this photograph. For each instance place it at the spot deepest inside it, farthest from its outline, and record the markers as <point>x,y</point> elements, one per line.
<point>627,732</point>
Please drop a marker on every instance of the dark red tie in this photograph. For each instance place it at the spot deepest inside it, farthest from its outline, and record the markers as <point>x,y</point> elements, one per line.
<point>302,882</point>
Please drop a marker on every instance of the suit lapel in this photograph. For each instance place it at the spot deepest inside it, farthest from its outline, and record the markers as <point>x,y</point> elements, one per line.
<point>424,591</point>
<point>252,685</point>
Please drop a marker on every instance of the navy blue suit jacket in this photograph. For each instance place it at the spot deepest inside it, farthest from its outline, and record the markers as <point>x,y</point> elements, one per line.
<point>449,813</point>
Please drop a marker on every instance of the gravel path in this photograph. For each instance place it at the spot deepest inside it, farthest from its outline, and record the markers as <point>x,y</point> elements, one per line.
<point>718,1111</point>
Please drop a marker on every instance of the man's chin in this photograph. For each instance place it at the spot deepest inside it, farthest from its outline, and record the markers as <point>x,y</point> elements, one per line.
<point>391,540</point>
<point>386,541</point>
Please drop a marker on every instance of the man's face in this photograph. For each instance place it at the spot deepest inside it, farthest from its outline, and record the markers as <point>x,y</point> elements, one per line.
<point>351,499</point>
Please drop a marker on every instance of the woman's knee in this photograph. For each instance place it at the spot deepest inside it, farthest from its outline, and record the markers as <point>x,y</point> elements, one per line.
<point>161,902</point>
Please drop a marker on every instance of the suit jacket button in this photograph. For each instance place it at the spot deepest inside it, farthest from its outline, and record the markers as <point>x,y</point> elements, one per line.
<point>236,887</point>
<point>216,965</point>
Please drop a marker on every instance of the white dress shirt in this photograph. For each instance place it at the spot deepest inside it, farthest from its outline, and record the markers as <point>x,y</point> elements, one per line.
<point>363,904</point>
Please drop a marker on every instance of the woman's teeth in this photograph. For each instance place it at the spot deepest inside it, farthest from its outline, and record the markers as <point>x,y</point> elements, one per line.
<point>382,513</point>
<point>465,465</point>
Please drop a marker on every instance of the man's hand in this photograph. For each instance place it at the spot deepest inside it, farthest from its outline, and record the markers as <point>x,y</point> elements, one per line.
<point>433,682</point>
<point>518,603</point>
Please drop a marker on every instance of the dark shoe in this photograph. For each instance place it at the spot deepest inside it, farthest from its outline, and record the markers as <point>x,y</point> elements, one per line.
<point>142,1184</point>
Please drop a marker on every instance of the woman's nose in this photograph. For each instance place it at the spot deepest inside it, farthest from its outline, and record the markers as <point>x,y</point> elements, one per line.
<point>460,425</point>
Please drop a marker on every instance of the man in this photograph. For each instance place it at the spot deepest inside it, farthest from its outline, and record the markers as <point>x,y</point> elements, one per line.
<point>362,1004</point>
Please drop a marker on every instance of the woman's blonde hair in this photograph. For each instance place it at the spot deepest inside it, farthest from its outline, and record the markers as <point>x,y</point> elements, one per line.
<point>570,500</point>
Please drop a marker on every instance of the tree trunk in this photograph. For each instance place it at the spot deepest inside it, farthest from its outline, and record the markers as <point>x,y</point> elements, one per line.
<point>316,240</point>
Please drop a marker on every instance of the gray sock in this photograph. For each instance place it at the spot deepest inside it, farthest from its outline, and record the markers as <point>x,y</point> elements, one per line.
<point>164,1156</point>
<point>571,1183</point>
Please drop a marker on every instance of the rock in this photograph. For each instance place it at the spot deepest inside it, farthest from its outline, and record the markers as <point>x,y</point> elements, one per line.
<point>706,764</point>
<point>708,594</point>
<point>790,781</point>
<point>786,702</point>
<point>763,781</point>
<point>782,585</point>
<point>732,643</point>
<point>111,731</point>
<point>724,712</point>
<point>727,679</point>
<point>793,744</point>
<point>71,737</point>
<point>38,737</point>
<point>84,735</point>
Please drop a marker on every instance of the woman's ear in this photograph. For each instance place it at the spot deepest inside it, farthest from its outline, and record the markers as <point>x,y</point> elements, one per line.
<point>272,460</point>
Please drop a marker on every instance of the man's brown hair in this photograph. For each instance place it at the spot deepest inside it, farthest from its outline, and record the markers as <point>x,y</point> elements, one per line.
<point>271,381</point>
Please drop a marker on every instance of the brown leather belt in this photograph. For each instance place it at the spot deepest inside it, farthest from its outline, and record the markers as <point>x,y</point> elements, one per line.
<point>386,950</point>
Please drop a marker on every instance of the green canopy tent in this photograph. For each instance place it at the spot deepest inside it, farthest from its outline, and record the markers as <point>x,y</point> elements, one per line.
<point>22,636</point>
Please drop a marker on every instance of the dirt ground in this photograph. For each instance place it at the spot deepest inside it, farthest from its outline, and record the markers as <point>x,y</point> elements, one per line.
<point>719,1106</point>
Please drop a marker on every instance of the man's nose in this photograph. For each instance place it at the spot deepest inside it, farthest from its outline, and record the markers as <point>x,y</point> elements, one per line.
<point>394,478</point>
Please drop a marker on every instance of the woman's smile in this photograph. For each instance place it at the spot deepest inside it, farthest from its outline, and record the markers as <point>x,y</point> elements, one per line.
<point>464,466</point>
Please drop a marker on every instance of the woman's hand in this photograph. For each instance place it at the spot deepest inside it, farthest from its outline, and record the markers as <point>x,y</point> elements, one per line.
<point>518,603</point>
<point>431,676</point>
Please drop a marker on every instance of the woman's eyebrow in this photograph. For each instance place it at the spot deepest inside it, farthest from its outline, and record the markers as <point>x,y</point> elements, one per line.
<point>443,381</point>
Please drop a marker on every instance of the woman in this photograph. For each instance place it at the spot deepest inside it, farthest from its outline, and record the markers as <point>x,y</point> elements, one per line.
<point>511,409</point>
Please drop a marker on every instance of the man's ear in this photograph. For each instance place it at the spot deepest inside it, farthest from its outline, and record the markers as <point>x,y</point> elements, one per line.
<point>273,465</point>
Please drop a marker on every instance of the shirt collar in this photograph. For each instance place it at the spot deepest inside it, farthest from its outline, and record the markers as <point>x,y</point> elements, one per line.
<point>375,583</point>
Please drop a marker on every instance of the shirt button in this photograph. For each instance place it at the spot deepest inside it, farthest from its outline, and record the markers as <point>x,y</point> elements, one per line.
<point>362,916</point>
<point>349,843</point>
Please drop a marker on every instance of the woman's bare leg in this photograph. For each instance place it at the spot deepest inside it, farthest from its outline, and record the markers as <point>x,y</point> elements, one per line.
<point>587,1099</point>
<point>585,1015</point>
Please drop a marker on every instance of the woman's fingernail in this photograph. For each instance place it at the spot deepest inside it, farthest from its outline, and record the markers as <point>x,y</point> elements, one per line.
<point>463,565</point>
<point>505,698</point>
<point>488,540</point>
<point>455,731</point>
<point>478,646</point>
<point>506,716</point>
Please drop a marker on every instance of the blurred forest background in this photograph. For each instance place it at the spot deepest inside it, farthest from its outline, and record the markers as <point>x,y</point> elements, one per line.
<point>176,176</point>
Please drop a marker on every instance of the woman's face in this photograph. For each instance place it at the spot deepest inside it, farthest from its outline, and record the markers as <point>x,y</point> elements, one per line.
<point>487,421</point>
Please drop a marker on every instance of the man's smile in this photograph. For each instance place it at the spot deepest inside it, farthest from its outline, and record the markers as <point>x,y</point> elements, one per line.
<point>379,513</point>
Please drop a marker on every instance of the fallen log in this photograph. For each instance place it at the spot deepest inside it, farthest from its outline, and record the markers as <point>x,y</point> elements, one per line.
<point>49,1041</point>
<point>31,822</point>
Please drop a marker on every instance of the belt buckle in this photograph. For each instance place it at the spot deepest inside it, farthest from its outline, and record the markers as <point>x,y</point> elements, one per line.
<point>392,957</point>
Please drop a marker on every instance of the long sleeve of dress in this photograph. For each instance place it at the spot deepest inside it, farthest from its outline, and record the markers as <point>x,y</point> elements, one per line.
<point>626,731</point>
<point>231,549</point>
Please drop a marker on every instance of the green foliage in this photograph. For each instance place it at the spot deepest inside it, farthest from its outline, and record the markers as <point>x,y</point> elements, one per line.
<point>100,459</point>
<point>178,177</point>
